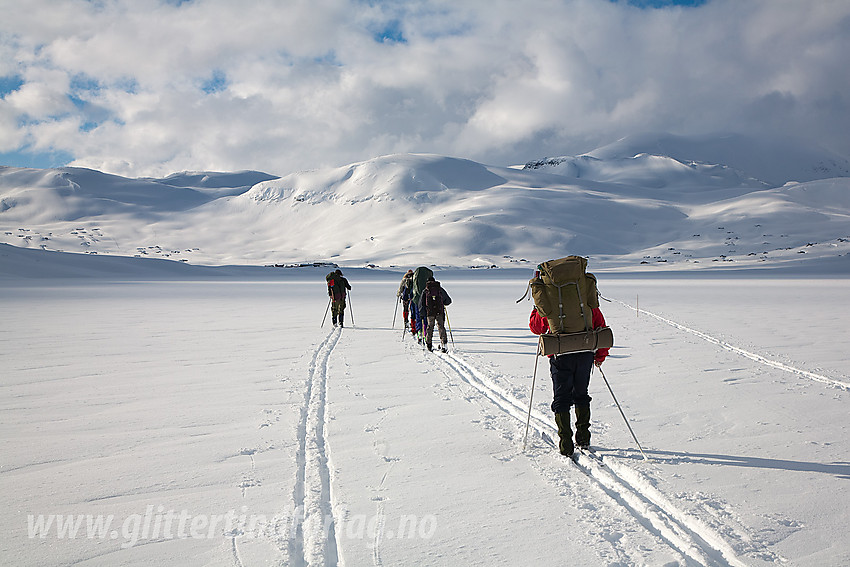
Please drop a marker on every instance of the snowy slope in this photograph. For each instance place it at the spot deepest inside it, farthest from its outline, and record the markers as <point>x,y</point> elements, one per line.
<point>216,184</point>
<point>773,161</point>
<point>697,204</point>
<point>72,194</point>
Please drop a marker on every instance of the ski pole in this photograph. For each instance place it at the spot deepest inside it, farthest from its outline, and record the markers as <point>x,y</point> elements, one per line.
<point>395,311</point>
<point>621,413</point>
<point>351,306</point>
<point>404,331</point>
<point>326,311</point>
<point>449,325</point>
<point>531,396</point>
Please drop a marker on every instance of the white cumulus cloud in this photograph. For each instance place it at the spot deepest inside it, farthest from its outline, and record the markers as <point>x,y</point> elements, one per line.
<point>150,87</point>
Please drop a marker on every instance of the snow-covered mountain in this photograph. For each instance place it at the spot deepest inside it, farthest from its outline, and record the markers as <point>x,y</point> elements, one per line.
<point>657,200</point>
<point>773,161</point>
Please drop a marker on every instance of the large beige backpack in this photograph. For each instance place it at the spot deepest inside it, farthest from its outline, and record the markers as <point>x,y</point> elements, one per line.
<point>566,295</point>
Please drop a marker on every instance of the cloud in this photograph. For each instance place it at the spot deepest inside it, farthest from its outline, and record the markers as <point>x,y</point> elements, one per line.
<point>148,87</point>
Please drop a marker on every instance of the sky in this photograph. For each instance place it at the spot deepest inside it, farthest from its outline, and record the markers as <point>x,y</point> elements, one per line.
<point>152,87</point>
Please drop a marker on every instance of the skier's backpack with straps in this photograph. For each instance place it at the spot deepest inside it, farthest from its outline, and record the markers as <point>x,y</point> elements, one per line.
<point>566,295</point>
<point>335,288</point>
<point>436,298</point>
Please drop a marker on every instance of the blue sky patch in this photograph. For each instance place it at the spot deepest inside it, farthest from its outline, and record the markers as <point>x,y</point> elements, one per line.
<point>390,33</point>
<point>10,84</point>
<point>35,159</point>
<point>83,82</point>
<point>92,115</point>
<point>217,83</point>
<point>78,103</point>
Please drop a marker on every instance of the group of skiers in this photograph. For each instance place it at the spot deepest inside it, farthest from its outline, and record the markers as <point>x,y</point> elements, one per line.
<point>423,300</point>
<point>424,303</point>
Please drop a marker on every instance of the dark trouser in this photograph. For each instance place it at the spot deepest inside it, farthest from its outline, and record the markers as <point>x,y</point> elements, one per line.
<point>440,321</point>
<point>570,380</point>
<point>337,311</point>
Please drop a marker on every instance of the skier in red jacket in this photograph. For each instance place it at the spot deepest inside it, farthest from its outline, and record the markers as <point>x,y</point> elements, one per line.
<point>570,380</point>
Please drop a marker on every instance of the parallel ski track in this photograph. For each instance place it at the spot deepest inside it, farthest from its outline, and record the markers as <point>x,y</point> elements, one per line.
<point>752,356</point>
<point>315,543</point>
<point>695,541</point>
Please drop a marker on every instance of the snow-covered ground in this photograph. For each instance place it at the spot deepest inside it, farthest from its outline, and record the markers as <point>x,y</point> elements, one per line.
<point>214,422</point>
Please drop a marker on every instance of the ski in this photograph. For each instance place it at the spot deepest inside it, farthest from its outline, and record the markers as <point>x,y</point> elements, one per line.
<point>589,451</point>
<point>548,439</point>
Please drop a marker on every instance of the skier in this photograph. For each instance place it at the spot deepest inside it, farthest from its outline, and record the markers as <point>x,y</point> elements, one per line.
<point>337,286</point>
<point>421,275</point>
<point>433,306</point>
<point>405,294</point>
<point>570,380</point>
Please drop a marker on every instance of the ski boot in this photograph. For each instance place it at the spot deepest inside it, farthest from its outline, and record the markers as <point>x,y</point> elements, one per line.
<point>565,433</point>
<point>583,427</point>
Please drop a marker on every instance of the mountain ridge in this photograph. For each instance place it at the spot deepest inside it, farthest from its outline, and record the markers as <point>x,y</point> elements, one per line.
<point>623,210</point>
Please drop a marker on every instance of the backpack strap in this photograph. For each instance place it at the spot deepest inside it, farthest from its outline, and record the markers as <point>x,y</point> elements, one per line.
<point>588,321</point>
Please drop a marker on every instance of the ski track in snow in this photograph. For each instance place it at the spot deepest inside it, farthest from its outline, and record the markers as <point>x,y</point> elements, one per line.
<point>314,543</point>
<point>745,353</point>
<point>248,481</point>
<point>237,562</point>
<point>378,539</point>
<point>688,536</point>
